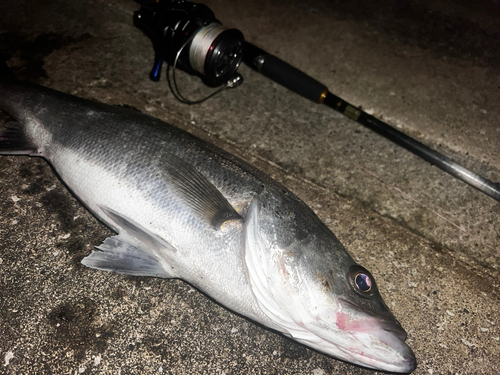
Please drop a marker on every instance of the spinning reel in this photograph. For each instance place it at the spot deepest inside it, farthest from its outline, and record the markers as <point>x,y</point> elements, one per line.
<point>188,36</point>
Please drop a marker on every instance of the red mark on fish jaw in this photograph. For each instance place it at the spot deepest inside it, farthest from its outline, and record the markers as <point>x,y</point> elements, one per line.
<point>347,324</point>
<point>343,321</point>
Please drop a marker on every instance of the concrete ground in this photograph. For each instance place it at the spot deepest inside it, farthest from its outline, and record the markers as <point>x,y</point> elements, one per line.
<point>429,68</point>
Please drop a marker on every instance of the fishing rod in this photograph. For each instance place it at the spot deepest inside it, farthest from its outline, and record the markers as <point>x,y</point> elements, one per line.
<point>187,36</point>
<point>306,86</point>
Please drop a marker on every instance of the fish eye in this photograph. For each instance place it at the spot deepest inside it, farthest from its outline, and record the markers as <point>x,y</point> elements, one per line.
<point>361,280</point>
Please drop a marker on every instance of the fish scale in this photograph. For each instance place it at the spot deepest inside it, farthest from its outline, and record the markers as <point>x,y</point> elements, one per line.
<point>182,208</point>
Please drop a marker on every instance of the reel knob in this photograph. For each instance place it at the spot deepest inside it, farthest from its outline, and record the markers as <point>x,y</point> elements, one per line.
<point>155,73</point>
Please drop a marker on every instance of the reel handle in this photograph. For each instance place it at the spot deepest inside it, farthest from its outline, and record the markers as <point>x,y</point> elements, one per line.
<point>155,73</point>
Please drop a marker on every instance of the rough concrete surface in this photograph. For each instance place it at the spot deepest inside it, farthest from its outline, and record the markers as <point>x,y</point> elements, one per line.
<point>430,69</point>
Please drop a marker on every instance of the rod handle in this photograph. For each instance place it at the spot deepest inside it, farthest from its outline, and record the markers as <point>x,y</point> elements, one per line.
<point>284,74</point>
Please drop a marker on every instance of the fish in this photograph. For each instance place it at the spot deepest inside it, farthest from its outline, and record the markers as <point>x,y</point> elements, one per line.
<point>182,208</point>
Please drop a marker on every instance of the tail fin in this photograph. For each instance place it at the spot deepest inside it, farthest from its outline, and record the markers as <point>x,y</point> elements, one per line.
<point>5,72</point>
<point>13,141</point>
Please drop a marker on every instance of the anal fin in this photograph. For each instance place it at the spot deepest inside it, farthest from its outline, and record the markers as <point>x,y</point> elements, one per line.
<point>116,255</point>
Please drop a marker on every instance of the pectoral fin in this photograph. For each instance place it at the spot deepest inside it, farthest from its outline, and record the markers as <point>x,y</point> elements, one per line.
<point>116,255</point>
<point>197,191</point>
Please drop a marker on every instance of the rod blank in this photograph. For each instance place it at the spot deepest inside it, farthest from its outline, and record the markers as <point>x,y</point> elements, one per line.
<point>306,86</point>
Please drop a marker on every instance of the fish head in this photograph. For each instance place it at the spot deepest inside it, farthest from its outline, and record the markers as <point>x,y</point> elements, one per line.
<point>315,293</point>
<point>352,318</point>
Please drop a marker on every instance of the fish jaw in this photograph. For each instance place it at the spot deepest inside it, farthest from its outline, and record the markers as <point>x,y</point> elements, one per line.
<point>368,341</point>
<point>380,342</point>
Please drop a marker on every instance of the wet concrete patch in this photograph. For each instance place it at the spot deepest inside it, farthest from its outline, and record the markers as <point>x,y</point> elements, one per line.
<point>26,53</point>
<point>76,326</point>
<point>61,206</point>
<point>28,170</point>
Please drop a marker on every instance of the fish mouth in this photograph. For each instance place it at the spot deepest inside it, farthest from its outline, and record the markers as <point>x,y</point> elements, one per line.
<point>381,342</point>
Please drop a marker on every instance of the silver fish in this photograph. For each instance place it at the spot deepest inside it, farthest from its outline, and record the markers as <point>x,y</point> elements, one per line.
<point>183,208</point>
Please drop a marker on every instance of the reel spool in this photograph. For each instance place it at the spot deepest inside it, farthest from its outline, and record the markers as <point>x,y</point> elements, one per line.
<point>188,36</point>
<point>216,52</point>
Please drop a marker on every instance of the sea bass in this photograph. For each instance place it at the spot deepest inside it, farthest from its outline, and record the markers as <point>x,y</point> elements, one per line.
<point>182,208</point>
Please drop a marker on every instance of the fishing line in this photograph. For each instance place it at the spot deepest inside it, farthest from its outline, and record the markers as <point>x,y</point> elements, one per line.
<point>404,194</point>
<point>202,42</point>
